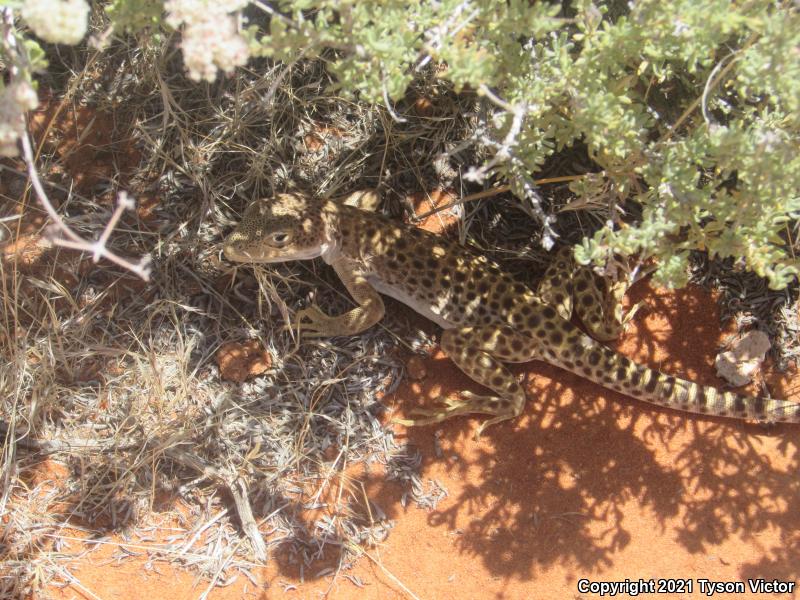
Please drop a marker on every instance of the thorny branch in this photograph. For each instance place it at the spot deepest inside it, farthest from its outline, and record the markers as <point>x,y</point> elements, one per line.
<point>436,36</point>
<point>18,61</point>
<point>504,154</point>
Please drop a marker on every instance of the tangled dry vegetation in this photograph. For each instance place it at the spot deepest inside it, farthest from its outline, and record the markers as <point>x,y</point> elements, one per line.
<point>119,379</point>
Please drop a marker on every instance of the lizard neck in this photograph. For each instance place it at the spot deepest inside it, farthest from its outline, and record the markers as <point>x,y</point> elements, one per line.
<point>331,239</point>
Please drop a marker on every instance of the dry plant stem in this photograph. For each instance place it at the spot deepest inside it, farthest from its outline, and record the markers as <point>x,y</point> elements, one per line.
<point>388,573</point>
<point>72,445</point>
<point>8,433</point>
<point>712,81</point>
<point>98,248</point>
<point>249,525</point>
<point>238,489</point>
<point>199,531</point>
<point>76,582</point>
<point>437,36</point>
<point>502,189</point>
<point>215,579</point>
<point>484,90</point>
<point>504,149</point>
<point>397,118</point>
<point>167,550</point>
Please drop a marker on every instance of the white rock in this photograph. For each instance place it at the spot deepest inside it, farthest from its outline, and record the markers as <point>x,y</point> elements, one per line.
<point>738,364</point>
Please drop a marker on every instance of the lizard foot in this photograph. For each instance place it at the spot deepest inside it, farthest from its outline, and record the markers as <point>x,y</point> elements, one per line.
<point>466,404</point>
<point>312,322</point>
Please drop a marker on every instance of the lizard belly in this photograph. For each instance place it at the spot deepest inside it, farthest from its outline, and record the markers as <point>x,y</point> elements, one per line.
<point>426,309</point>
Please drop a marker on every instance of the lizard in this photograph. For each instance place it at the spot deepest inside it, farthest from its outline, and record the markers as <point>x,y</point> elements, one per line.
<point>489,319</point>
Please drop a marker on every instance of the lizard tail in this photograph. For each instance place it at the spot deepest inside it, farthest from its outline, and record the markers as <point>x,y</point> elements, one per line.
<point>616,372</point>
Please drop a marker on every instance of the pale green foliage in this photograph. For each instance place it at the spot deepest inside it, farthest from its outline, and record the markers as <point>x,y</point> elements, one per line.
<point>724,76</point>
<point>725,180</point>
<point>690,108</point>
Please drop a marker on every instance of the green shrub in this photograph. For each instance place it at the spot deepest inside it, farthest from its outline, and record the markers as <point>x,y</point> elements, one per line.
<point>689,108</point>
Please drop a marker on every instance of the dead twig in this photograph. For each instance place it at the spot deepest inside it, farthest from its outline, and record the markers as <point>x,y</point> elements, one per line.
<point>72,240</point>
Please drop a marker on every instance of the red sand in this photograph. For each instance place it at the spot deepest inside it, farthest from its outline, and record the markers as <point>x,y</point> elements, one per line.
<point>586,484</point>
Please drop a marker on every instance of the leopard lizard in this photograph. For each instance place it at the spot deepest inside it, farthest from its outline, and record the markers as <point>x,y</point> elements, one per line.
<point>488,317</point>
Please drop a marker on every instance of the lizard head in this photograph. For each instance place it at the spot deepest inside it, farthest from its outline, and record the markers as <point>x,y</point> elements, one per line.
<point>283,228</point>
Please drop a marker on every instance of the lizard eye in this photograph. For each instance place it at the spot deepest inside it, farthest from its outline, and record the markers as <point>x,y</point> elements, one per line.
<point>279,238</point>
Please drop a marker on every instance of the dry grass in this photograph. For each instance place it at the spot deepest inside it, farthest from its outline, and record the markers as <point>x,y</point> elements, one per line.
<point>116,379</point>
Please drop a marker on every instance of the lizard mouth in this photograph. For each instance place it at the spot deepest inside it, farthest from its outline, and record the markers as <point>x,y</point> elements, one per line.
<point>260,256</point>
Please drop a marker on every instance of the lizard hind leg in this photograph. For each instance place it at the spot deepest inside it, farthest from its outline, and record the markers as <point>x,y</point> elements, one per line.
<point>572,288</point>
<point>600,310</point>
<point>478,352</point>
<point>556,286</point>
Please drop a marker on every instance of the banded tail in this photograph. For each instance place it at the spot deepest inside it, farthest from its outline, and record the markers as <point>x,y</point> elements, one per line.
<point>616,372</point>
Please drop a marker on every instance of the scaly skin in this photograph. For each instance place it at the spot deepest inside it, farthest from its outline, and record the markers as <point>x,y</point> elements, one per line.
<point>489,318</point>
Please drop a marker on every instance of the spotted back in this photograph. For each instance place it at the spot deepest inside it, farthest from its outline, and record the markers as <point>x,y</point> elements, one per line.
<point>437,277</point>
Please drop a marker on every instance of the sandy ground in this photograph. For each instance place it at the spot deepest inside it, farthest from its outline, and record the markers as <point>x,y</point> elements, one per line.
<point>587,484</point>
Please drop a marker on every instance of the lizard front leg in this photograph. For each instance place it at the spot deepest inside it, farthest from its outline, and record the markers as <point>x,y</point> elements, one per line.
<point>313,322</point>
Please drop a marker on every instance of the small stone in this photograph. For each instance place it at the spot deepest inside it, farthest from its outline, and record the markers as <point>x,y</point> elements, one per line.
<point>738,364</point>
<point>242,360</point>
<point>26,249</point>
<point>415,367</point>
